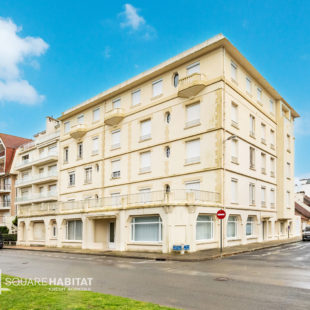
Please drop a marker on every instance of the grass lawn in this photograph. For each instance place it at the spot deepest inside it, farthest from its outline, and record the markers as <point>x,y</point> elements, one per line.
<point>54,297</point>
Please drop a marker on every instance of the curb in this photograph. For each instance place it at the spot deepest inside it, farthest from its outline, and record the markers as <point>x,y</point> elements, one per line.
<point>159,258</point>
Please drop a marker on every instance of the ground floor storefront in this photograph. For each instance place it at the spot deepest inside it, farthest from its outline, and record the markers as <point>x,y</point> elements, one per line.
<point>155,229</point>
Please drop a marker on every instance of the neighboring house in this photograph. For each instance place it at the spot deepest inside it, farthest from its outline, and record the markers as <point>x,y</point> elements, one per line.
<point>302,185</point>
<point>302,208</point>
<point>37,178</point>
<point>8,146</point>
<point>146,165</point>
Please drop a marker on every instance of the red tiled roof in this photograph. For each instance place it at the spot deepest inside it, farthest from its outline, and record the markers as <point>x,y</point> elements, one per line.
<point>13,141</point>
<point>302,210</point>
<point>307,200</point>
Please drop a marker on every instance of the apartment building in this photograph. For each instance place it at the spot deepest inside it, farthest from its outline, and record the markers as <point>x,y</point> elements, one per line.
<point>36,167</point>
<point>145,165</point>
<point>8,146</point>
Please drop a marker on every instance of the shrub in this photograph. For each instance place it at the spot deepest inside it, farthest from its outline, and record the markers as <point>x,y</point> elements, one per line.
<point>4,230</point>
<point>9,237</point>
<point>15,221</point>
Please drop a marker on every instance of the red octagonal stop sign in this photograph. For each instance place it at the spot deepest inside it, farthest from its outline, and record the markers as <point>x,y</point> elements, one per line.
<point>221,214</point>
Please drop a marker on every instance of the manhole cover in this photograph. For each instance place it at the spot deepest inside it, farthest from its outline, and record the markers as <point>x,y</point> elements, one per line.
<point>221,279</point>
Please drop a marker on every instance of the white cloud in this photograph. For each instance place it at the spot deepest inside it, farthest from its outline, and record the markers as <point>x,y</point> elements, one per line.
<point>136,23</point>
<point>14,50</point>
<point>132,18</point>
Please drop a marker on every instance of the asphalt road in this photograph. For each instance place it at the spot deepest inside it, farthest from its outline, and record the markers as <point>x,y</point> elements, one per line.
<point>277,278</point>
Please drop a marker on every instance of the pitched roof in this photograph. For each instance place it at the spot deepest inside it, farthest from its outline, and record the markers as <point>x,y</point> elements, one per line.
<point>12,141</point>
<point>302,210</point>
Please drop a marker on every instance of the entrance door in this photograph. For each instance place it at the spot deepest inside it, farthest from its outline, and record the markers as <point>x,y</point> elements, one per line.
<point>112,235</point>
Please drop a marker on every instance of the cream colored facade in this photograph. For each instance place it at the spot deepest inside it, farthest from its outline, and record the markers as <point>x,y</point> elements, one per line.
<point>36,167</point>
<point>146,165</point>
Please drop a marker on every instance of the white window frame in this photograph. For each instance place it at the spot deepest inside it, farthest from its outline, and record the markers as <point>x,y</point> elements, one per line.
<point>157,88</point>
<point>116,103</point>
<point>96,115</point>
<point>145,135</point>
<point>196,157</point>
<point>71,173</point>
<point>144,169</point>
<point>74,230</point>
<point>233,220</point>
<point>233,70</point>
<point>134,224</point>
<point>115,133</point>
<point>192,114</point>
<point>193,68</point>
<point>209,221</point>
<point>248,83</point>
<point>67,127</point>
<point>95,149</point>
<point>136,94</point>
<point>116,172</point>
<point>252,194</point>
<point>234,195</point>
<point>249,223</point>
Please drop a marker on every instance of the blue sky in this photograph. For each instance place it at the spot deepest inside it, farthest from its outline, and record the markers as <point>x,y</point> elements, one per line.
<point>76,49</point>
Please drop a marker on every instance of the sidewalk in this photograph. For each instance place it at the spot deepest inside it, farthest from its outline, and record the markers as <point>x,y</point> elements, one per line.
<point>189,257</point>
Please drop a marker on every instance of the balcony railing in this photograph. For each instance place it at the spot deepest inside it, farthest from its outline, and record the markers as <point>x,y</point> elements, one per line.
<point>37,197</point>
<point>191,85</point>
<point>6,188</point>
<point>46,158</point>
<point>35,179</point>
<point>151,198</point>
<point>5,205</point>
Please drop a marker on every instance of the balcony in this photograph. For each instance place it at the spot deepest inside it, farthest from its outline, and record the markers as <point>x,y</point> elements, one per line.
<point>5,206</point>
<point>144,199</point>
<point>37,179</point>
<point>41,197</point>
<point>4,189</point>
<point>191,85</point>
<point>39,209</point>
<point>44,159</point>
<point>114,117</point>
<point>78,131</point>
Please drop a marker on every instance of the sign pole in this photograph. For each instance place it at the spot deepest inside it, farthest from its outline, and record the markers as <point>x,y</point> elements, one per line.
<point>221,215</point>
<point>221,236</point>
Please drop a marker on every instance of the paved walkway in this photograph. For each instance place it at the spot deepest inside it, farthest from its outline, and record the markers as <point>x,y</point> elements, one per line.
<point>189,257</point>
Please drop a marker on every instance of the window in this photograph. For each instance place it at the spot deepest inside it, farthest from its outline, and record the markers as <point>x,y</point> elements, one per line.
<point>136,97</point>
<point>252,193</point>
<point>54,230</point>
<point>263,196</point>
<point>96,115</point>
<point>288,199</point>
<point>193,68</point>
<point>52,189</point>
<point>233,71</point>
<point>42,153</point>
<point>145,130</point>
<point>204,227</point>
<point>66,154</point>
<point>157,88</point>
<point>167,151</point>
<point>272,139</point>
<point>192,186</point>
<point>252,158</point>
<point>67,127</point>
<point>252,126</point>
<point>272,198</point>
<point>263,129</point>
<point>234,114</point>
<point>71,178</point>
<point>271,106</point>
<point>176,79</point>
<point>88,175</point>
<point>232,227</point>
<point>250,226</point>
<point>74,230</point>
<point>116,139</point>
<point>116,168</point>
<point>234,191</point>
<point>192,151</point>
<point>80,119</point>
<point>80,150</point>
<point>263,159</point>
<point>52,170</point>
<point>116,199</point>
<point>116,103</point>
<point>288,170</point>
<point>288,143</point>
<point>52,150</point>
<point>248,85</point>
<point>167,117</point>
<point>167,188</point>
<point>259,94</point>
<point>145,162</point>
<point>272,167</point>
<point>146,229</point>
<point>25,159</point>
<point>145,195</point>
<point>234,151</point>
<point>95,149</point>
<point>192,114</point>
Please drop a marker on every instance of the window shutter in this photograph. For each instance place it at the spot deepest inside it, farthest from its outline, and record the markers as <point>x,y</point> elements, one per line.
<point>116,165</point>
<point>193,112</point>
<point>136,97</point>
<point>157,88</point>
<point>193,149</point>
<point>145,160</point>
<point>194,68</point>
<point>146,128</point>
<point>116,137</point>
